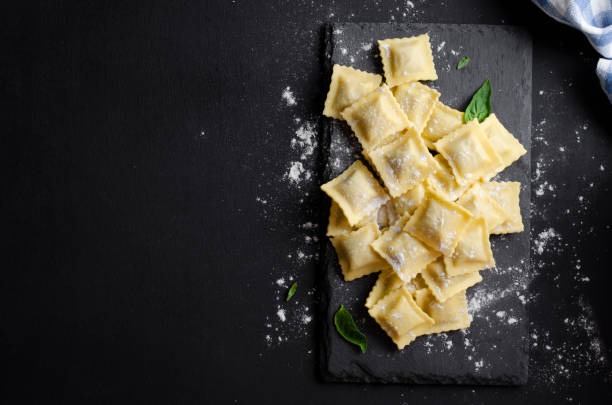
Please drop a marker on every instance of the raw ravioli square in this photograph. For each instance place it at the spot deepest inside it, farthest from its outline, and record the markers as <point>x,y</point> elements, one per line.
<point>406,254</point>
<point>443,120</point>
<point>398,315</point>
<point>438,223</point>
<point>469,153</point>
<point>415,284</point>
<point>449,315</point>
<point>356,192</point>
<point>403,163</point>
<point>505,144</point>
<point>407,59</point>
<point>480,204</point>
<point>410,200</point>
<point>386,215</point>
<point>473,252</point>
<point>506,193</point>
<point>337,224</point>
<point>444,286</point>
<point>386,282</point>
<point>417,101</point>
<point>347,86</point>
<point>355,255</point>
<point>443,181</point>
<point>375,117</point>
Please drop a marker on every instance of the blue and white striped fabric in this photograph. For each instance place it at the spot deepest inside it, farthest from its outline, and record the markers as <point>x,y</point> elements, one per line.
<point>594,18</point>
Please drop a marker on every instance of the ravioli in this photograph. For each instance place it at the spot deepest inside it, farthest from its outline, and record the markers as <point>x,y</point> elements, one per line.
<point>399,316</point>
<point>406,255</point>
<point>403,163</point>
<point>407,59</point>
<point>357,192</point>
<point>504,143</point>
<point>421,209</point>
<point>355,255</point>
<point>506,194</point>
<point>442,285</point>
<point>347,86</point>
<point>438,223</point>
<point>481,205</point>
<point>442,121</point>
<point>375,117</point>
<point>418,102</point>
<point>469,153</point>
<point>473,251</point>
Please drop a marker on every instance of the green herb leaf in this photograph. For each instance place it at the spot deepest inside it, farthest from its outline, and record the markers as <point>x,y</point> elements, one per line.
<point>291,291</point>
<point>346,327</point>
<point>463,62</point>
<point>480,105</point>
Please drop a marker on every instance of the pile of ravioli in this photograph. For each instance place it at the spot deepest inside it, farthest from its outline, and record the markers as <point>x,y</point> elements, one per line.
<point>422,215</point>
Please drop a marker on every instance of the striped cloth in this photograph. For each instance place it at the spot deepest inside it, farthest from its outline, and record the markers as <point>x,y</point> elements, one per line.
<point>594,18</point>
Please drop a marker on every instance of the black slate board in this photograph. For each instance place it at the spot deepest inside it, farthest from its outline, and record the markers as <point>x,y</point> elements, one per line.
<point>494,350</point>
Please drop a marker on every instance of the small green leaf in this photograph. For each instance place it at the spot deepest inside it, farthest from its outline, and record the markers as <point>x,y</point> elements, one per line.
<point>480,105</point>
<point>291,291</point>
<point>463,62</point>
<point>346,327</point>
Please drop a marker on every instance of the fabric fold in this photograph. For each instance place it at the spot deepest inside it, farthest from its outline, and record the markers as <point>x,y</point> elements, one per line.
<point>594,19</point>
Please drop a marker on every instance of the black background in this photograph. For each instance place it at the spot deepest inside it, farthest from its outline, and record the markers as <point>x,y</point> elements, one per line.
<point>139,265</point>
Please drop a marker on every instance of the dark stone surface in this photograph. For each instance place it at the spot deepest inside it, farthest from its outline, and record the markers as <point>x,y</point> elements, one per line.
<point>496,351</point>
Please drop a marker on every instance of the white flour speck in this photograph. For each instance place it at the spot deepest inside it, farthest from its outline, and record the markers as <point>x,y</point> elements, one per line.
<point>543,187</point>
<point>305,140</point>
<point>304,143</point>
<point>544,238</point>
<point>581,355</point>
<point>288,96</point>
<point>281,315</point>
<point>296,170</point>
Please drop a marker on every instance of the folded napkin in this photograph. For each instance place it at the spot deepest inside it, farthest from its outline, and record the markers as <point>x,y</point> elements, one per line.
<point>594,18</point>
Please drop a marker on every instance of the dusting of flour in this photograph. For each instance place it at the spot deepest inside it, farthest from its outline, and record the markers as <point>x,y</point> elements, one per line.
<point>292,320</point>
<point>303,143</point>
<point>288,96</point>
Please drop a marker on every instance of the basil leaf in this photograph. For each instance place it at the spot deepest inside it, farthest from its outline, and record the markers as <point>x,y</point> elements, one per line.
<point>346,327</point>
<point>291,291</point>
<point>480,105</point>
<point>463,62</point>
